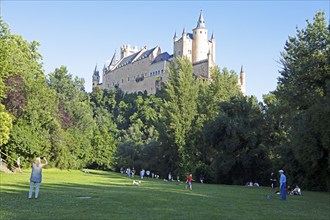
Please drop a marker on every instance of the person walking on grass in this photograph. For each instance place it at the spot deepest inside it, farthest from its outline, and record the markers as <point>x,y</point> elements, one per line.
<point>189,182</point>
<point>36,176</point>
<point>282,184</point>
<point>18,161</point>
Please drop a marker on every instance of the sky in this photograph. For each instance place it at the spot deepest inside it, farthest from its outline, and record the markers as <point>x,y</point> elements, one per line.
<point>83,34</point>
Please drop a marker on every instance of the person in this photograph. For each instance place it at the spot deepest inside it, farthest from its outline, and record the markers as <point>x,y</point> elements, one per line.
<point>36,176</point>
<point>189,182</point>
<point>133,172</point>
<point>128,172</point>
<point>282,184</point>
<point>272,181</point>
<point>201,179</point>
<point>170,177</point>
<point>142,172</point>
<point>288,190</point>
<point>18,161</point>
<point>297,191</point>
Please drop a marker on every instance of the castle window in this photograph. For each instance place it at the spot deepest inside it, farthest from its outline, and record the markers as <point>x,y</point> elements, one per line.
<point>158,72</point>
<point>189,51</point>
<point>122,81</point>
<point>128,79</point>
<point>150,73</point>
<point>200,31</point>
<point>162,71</point>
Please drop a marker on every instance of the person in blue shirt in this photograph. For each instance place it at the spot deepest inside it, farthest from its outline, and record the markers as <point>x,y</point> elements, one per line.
<point>36,176</point>
<point>282,184</point>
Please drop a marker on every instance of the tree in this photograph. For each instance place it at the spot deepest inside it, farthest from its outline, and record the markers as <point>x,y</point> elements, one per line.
<point>303,92</point>
<point>236,135</point>
<point>27,100</point>
<point>178,115</point>
<point>73,143</point>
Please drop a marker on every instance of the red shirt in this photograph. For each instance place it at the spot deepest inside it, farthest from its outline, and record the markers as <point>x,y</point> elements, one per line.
<point>189,180</point>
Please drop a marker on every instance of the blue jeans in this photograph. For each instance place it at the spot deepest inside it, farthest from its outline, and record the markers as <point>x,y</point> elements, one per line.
<point>31,190</point>
<point>283,191</point>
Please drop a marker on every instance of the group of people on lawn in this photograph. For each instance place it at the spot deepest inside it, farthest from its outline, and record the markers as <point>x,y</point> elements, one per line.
<point>131,173</point>
<point>37,165</point>
<point>284,190</point>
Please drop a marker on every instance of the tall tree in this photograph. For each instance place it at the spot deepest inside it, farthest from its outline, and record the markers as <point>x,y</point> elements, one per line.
<point>302,90</point>
<point>179,113</point>
<point>73,144</point>
<point>25,95</point>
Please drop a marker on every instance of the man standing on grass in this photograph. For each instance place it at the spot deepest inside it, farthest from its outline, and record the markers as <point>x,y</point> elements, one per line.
<point>282,184</point>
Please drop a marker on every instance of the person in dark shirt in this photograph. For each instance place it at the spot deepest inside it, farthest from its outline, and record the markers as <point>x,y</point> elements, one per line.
<point>272,181</point>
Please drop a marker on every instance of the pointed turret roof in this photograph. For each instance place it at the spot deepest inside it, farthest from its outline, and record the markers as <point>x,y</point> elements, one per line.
<point>201,21</point>
<point>184,31</point>
<point>175,35</point>
<point>96,72</point>
<point>113,60</point>
<point>242,69</point>
<point>212,36</point>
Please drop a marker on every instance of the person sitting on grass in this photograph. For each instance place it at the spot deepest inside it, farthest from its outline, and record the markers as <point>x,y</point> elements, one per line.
<point>296,191</point>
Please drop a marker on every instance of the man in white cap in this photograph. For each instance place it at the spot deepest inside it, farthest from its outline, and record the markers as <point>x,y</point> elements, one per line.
<point>282,184</point>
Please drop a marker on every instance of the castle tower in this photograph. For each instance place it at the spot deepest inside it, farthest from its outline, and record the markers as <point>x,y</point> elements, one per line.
<point>242,80</point>
<point>200,43</point>
<point>96,77</point>
<point>212,48</point>
<point>183,46</point>
<point>127,50</point>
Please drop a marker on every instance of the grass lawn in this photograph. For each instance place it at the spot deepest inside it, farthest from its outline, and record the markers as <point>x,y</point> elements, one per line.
<point>107,195</point>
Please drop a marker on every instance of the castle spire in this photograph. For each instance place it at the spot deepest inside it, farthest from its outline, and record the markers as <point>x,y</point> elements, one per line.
<point>113,60</point>
<point>175,38</point>
<point>201,22</point>
<point>184,31</point>
<point>95,70</point>
<point>96,77</point>
<point>212,36</point>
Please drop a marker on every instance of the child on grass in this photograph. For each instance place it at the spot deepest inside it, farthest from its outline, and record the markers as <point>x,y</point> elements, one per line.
<point>189,182</point>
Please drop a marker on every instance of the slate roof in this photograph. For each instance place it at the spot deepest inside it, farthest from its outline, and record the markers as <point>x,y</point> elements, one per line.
<point>129,59</point>
<point>162,57</point>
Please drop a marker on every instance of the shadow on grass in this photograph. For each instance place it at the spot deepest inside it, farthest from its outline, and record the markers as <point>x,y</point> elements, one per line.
<point>105,195</point>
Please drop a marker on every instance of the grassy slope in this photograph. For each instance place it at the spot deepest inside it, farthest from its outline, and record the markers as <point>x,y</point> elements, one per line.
<point>113,196</point>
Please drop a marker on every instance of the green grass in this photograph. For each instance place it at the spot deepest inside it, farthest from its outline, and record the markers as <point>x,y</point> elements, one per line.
<point>113,196</point>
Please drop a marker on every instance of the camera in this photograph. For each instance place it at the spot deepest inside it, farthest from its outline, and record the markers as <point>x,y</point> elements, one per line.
<point>42,158</point>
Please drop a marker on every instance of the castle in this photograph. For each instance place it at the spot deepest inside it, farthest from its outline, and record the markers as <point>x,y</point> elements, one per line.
<point>145,69</point>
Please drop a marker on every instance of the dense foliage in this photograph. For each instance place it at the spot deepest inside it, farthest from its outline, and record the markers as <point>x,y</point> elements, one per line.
<point>189,126</point>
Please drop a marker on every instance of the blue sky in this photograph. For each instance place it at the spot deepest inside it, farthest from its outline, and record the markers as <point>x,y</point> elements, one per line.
<point>79,34</point>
